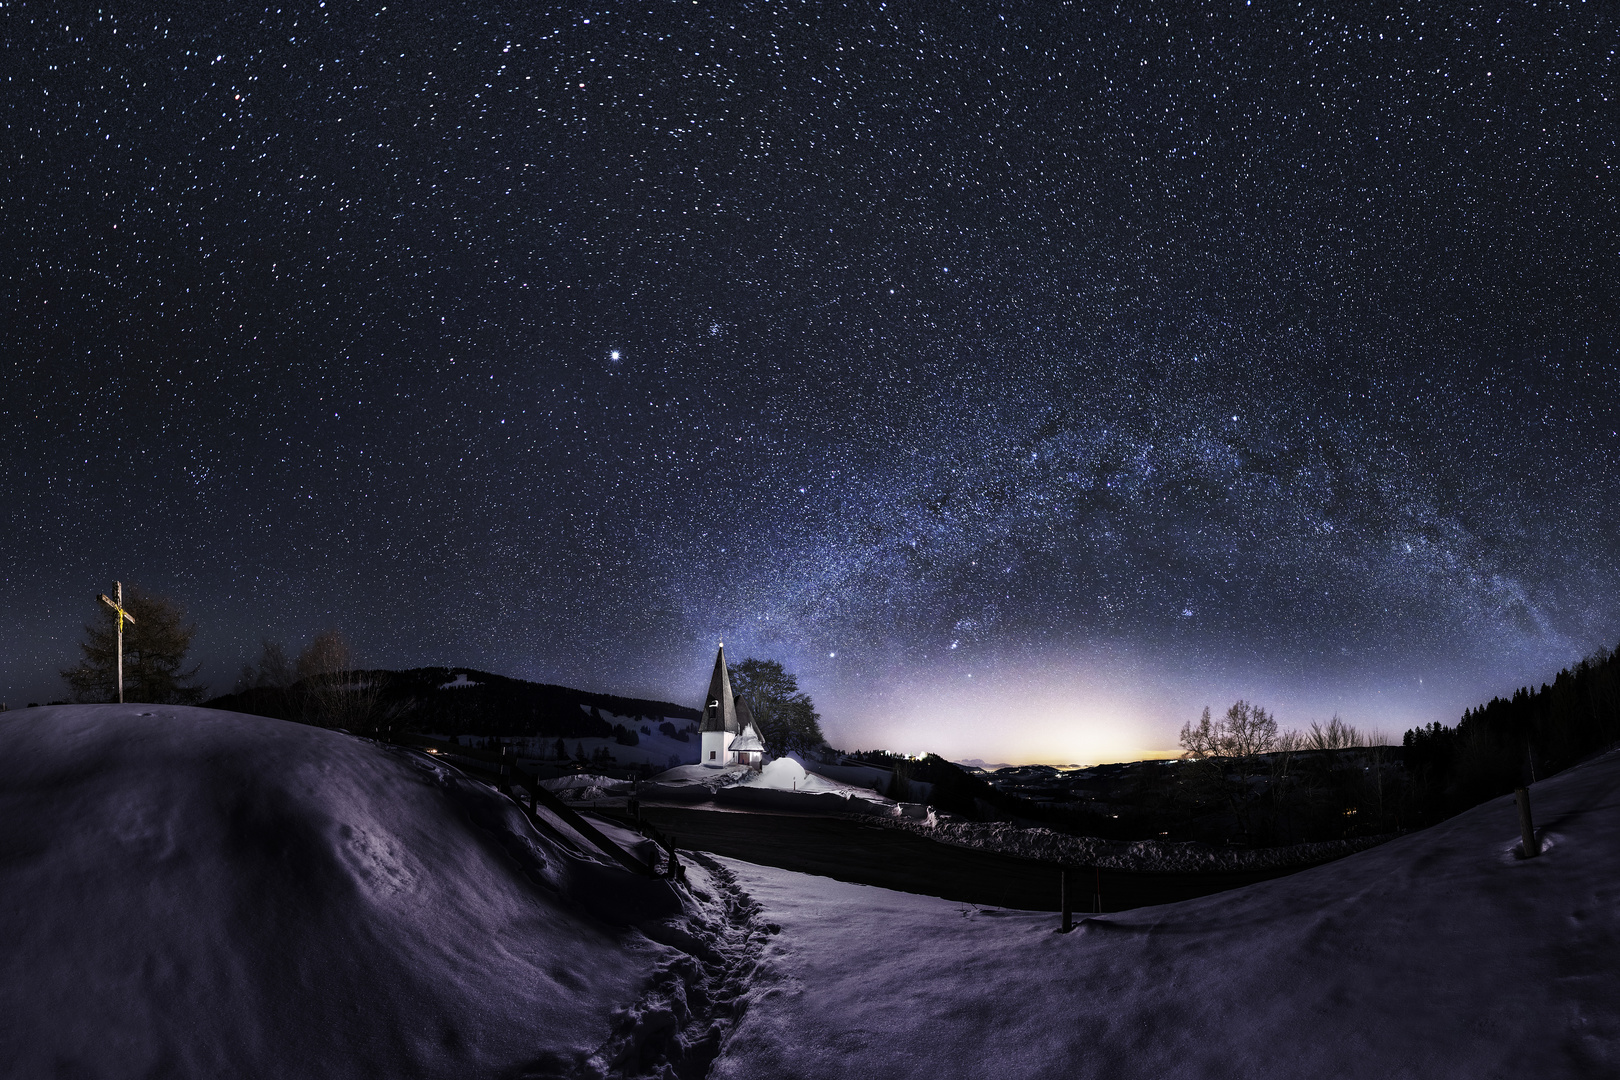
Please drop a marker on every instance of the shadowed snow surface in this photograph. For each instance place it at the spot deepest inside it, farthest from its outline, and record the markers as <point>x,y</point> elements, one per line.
<point>192,893</point>
<point>196,893</point>
<point>1439,954</point>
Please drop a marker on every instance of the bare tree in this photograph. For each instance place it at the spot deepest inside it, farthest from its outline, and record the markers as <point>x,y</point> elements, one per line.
<point>1228,751</point>
<point>336,694</point>
<point>1335,735</point>
<point>1249,730</point>
<point>1201,741</point>
<point>274,670</point>
<point>1278,763</point>
<point>784,715</point>
<point>1245,731</point>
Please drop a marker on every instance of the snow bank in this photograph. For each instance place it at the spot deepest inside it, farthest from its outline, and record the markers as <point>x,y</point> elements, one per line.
<point>584,786</point>
<point>787,774</point>
<point>706,775</point>
<point>1437,955</point>
<point>783,784</point>
<point>1047,845</point>
<point>782,774</point>
<point>199,893</point>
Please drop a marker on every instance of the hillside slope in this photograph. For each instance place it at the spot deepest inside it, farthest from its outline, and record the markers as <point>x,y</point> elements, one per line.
<point>465,701</point>
<point>191,893</point>
<point>1440,954</point>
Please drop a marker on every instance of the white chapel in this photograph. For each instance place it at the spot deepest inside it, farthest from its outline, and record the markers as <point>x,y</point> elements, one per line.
<point>729,734</point>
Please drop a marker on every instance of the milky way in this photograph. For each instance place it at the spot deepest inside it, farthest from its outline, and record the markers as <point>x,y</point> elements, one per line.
<point>1024,377</point>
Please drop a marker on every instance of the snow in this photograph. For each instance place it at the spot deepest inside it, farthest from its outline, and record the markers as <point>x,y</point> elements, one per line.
<point>733,783</point>
<point>783,784</point>
<point>788,774</point>
<point>199,893</point>
<point>1440,954</point>
<point>583,787</point>
<point>192,893</point>
<point>706,775</point>
<point>783,774</point>
<point>655,749</point>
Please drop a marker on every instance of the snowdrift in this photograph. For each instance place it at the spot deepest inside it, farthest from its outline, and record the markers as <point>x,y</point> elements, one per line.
<point>782,785</point>
<point>192,893</point>
<point>1441,954</point>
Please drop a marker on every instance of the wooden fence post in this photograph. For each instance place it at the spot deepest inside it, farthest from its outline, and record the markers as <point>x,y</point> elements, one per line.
<point>1068,903</point>
<point>1527,827</point>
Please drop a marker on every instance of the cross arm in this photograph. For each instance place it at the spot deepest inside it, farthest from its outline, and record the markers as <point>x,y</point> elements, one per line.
<point>122,614</point>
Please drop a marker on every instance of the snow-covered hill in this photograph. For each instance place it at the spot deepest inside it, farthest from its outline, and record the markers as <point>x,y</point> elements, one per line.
<point>192,893</point>
<point>653,748</point>
<point>189,893</point>
<point>1437,955</point>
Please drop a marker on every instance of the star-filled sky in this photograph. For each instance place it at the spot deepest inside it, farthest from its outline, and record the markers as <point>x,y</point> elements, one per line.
<point>1024,376</point>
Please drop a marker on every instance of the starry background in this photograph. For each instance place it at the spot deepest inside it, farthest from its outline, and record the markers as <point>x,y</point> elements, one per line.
<point>1025,378</point>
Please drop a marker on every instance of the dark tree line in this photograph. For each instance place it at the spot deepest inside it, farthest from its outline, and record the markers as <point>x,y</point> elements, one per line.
<point>1512,741</point>
<point>484,705</point>
<point>950,787</point>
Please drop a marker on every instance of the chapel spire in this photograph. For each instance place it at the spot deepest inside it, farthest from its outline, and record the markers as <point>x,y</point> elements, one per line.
<point>719,707</point>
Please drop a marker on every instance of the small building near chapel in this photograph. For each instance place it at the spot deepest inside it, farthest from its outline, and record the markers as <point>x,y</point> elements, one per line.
<point>728,734</point>
<point>747,748</point>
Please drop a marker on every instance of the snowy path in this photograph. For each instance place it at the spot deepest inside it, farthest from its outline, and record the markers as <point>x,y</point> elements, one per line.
<point>693,999</point>
<point>1436,955</point>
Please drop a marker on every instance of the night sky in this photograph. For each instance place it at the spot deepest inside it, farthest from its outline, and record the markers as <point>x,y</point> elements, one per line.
<point>1025,378</point>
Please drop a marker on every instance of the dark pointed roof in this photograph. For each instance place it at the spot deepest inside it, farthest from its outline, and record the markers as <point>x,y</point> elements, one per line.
<point>719,708</point>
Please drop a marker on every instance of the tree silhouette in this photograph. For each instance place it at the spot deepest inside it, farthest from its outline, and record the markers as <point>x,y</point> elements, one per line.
<point>274,671</point>
<point>335,693</point>
<point>1223,753</point>
<point>155,650</point>
<point>785,715</point>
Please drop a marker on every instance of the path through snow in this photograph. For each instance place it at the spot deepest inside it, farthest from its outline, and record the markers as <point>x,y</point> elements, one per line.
<point>695,998</point>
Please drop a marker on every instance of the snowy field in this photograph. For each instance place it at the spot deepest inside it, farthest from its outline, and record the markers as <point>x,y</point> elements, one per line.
<point>200,894</point>
<point>192,893</point>
<point>1440,954</point>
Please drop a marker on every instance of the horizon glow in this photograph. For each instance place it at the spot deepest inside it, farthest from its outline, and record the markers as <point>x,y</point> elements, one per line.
<point>1023,384</point>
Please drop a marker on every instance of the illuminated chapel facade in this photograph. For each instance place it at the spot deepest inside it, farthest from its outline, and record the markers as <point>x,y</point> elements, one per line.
<point>729,736</point>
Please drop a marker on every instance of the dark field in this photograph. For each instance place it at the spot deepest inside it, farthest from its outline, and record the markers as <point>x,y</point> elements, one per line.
<point>894,859</point>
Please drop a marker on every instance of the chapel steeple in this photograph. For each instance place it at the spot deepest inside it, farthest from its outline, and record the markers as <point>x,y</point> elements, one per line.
<point>719,725</point>
<point>720,707</point>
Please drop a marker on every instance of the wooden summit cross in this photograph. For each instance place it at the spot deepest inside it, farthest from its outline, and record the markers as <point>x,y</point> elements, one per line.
<point>118,606</point>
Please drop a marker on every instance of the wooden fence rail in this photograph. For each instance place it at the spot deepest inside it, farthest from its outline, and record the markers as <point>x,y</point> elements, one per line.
<point>505,772</point>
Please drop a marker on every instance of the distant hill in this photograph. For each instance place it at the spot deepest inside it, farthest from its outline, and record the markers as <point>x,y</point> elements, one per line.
<point>465,701</point>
